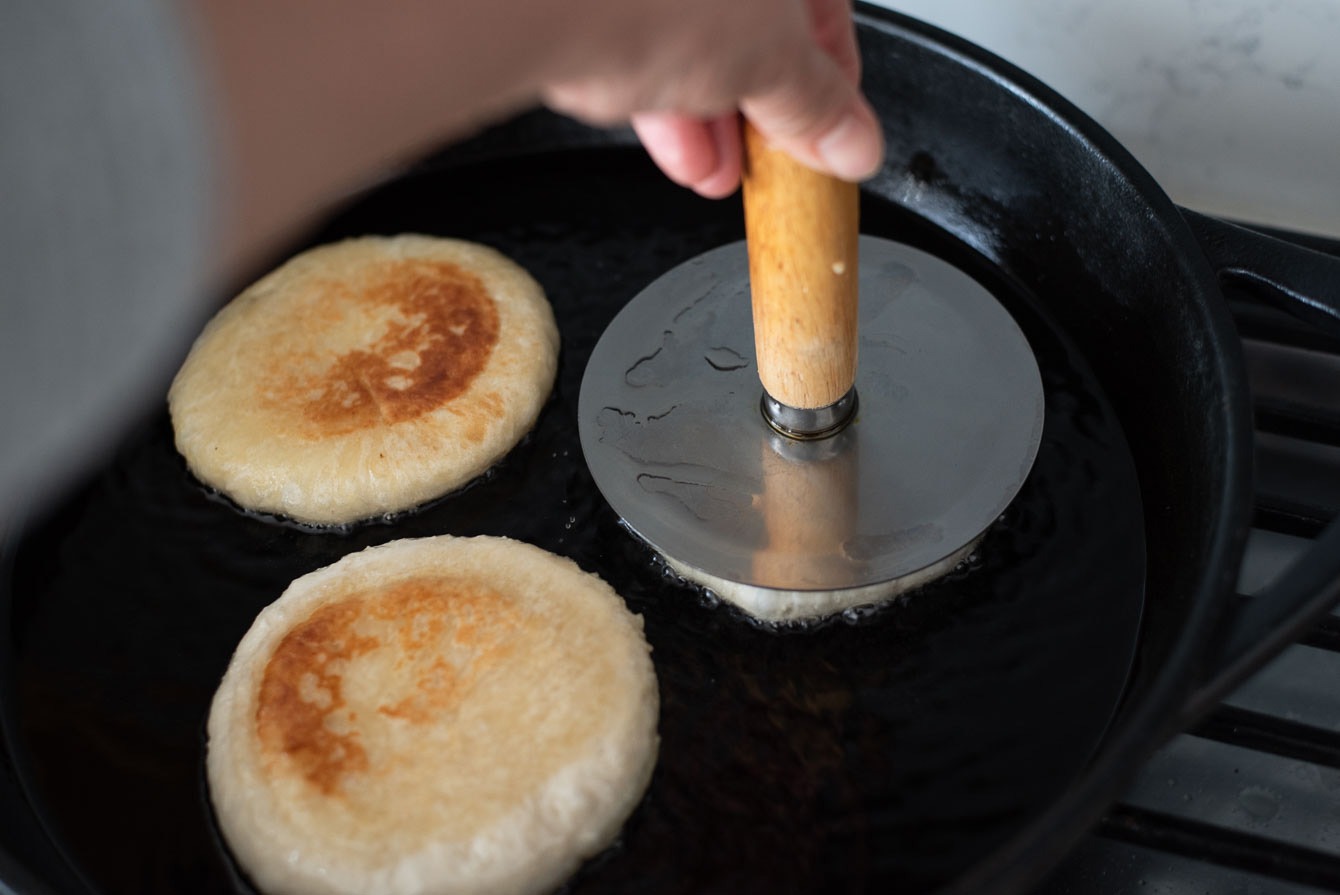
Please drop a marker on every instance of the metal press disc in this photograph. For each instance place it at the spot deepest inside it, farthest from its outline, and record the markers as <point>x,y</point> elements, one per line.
<point>949,420</point>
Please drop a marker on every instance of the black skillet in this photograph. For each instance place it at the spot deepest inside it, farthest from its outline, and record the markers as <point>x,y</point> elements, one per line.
<point>959,740</point>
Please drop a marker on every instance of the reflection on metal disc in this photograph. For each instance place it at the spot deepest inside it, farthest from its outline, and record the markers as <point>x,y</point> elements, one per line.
<point>949,421</point>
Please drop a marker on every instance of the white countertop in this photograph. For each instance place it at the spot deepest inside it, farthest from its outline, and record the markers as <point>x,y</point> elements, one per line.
<point>1233,105</point>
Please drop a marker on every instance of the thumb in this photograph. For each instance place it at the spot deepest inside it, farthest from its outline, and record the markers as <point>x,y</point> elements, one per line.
<point>819,117</point>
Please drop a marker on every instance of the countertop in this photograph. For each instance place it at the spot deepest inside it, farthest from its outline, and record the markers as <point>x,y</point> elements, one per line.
<point>1232,105</point>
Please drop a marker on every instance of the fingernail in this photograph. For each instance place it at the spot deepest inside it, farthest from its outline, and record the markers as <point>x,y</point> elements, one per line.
<point>851,150</point>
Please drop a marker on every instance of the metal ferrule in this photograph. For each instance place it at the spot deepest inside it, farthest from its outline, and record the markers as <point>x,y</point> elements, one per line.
<point>809,424</point>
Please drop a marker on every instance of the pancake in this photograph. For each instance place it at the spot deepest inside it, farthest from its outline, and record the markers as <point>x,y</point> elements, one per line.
<point>777,606</point>
<point>436,715</point>
<point>365,377</point>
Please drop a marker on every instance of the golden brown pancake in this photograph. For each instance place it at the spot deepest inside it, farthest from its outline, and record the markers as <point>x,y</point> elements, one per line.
<point>436,715</point>
<point>365,377</point>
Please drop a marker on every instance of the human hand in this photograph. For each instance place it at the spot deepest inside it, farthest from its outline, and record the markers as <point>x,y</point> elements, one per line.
<point>684,72</point>
<point>300,124</point>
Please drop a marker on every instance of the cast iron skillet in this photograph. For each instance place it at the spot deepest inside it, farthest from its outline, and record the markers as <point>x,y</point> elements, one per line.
<point>960,740</point>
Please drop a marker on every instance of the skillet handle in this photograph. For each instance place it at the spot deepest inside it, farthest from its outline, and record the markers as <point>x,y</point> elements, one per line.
<point>1306,284</point>
<point>1301,281</point>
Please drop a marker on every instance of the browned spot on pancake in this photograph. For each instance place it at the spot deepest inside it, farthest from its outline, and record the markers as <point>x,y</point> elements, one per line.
<point>301,690</point>
<point>488,407</point>
<point>441,635</point>
<point>458,629</point>
<point>441,327</point>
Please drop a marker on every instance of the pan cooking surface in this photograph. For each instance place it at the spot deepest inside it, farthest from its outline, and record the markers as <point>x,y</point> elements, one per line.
<point>893,748</point>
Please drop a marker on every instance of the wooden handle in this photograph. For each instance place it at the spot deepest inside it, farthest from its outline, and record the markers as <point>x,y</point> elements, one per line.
<point>801,228</point>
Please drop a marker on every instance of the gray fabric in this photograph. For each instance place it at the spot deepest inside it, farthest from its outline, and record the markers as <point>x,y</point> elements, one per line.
<point>104,193</point>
